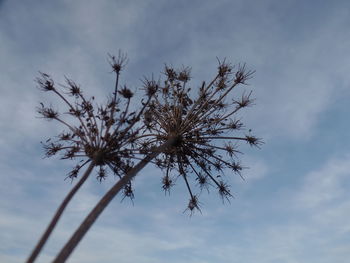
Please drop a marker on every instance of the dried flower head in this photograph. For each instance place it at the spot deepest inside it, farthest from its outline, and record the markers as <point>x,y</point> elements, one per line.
<point>104,135</point>
<point>200,126</point>
<point>119,62</point>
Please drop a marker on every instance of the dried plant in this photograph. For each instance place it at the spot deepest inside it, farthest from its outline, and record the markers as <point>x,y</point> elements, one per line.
<point>102,136</point>
<point>185,136</point>
<point>200,127</point>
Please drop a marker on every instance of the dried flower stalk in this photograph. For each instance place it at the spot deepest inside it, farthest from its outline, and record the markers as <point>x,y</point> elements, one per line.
<point>200,125</point>
<point>181,135</point>
<point>101,136</point>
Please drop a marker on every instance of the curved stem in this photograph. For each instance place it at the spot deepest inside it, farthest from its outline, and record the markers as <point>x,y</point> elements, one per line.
<point>58,214</point>
<point>106,199</point>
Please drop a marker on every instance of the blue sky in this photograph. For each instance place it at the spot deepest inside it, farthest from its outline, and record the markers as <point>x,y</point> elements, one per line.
<point>294,205</point>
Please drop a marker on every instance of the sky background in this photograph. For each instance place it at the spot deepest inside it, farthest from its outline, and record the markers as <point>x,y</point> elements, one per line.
<point>294,205</point>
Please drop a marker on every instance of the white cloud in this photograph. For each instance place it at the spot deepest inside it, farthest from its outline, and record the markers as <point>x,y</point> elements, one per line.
<point>296,82</point>
<point>257,169</point>
<point>325,186</point>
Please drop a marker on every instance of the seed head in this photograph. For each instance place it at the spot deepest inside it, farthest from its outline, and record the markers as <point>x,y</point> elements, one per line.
<point>45,82</point>
<point>119,62</point>
<point>104,134</point>
<point>199,127</point>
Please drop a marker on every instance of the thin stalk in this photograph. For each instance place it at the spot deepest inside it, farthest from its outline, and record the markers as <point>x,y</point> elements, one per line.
<point>182,172</point>
<point>136,118</point>
<point>72,108</point>
<point>204,91</point>
<point>114,101</point>
<point>121,121</point>
<point>71,128</point>
<point>106,199</point>
<point>93,118</point>
<point>225,138</point>
<point>58,214</point>
<point>217,121</point>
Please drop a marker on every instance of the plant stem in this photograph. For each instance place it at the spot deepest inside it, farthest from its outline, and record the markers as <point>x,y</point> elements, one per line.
<point>58,214</point>
<point>106,199</point>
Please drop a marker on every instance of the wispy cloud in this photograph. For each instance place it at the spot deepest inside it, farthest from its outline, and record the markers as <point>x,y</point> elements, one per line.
<point>299,51</point>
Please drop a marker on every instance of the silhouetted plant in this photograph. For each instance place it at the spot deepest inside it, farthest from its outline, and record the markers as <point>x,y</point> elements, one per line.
<point>198,124</point>
<point>101,136</point>
<point>181,136</point>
